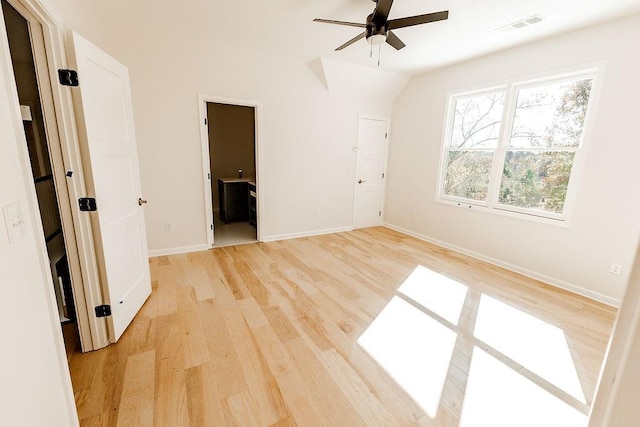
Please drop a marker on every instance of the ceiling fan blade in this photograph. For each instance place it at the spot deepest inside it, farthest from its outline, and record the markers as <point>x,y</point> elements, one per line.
<point>417,20</point>
<point>352,41</point>
<point>394,41</point>
<point>381,13</point>
<point>330,21</point>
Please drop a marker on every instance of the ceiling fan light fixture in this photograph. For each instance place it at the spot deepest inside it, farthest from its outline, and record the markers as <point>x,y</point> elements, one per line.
<point>377,27</point>
<point>377,39</point>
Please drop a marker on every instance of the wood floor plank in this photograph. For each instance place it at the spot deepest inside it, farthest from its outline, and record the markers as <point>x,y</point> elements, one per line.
<point>357,392</point>
<point>269,334</point>
<point>192,329</point>
<point>226,365</point>
<point>171,406</point>
<point>319,386</point>
<point>139,381</point>
<point>264,392</point>
<point>283,368</point>
<point>240,410</point>
<point>204,402</point>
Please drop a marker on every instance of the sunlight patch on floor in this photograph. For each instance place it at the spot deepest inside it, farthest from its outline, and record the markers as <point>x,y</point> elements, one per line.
<point>537,345</point>
<point>498,396</point>
<point>413,348</point>
<point>440,294</point>
<point>416,337</point>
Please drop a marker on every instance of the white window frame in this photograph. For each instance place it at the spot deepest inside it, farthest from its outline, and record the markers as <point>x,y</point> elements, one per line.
<point>510,89</point>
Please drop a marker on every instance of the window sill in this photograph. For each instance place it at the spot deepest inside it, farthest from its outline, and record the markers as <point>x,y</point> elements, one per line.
<point>532,217</point>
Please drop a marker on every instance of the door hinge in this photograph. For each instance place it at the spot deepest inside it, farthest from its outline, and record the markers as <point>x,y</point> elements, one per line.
<point>386,135</point>
<point>68,77</point>
<point>205,120</point>
<point>382,175</point>
<point>379,213</point>
<point>211,226</point>
<point>103,310</point>
<point>87,204</point>
<point>208,176</point>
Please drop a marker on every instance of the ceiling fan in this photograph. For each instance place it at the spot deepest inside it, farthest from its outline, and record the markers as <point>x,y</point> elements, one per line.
<point>378,27</point>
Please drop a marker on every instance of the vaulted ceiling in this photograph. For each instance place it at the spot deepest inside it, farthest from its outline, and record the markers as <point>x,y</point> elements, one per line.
<point>474,28</point>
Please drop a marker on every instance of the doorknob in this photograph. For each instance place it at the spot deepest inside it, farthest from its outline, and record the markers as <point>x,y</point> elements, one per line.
<point>141,201</point>
<point>360,181</point>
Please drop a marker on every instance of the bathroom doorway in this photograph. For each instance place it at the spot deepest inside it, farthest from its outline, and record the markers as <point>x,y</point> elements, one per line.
<point>231,133</point>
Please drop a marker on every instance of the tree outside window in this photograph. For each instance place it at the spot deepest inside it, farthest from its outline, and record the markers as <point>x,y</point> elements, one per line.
<point>534,143</point>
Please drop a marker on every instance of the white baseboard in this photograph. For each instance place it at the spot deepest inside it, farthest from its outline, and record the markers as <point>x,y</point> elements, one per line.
<point>305,234</point>
<point>180,250</point>
<point>597,296</point>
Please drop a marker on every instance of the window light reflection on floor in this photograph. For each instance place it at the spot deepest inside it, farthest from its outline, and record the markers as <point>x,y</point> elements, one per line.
<point>498,396</point>
<point>537,345</point>
<point>440,294</point>
<point>413,348</point>
<point>419,332</point>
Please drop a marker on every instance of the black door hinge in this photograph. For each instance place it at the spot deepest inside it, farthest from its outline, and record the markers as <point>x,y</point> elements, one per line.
<point>103,310</point>
<point>379,213</point>
<point>68,77</point>
<point>87,204</point>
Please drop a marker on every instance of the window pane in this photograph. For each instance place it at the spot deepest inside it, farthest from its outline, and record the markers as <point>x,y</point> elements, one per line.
<point>536,180</point>
<point>476,121</point>
<point>468,174</point>
<point>551,116</point>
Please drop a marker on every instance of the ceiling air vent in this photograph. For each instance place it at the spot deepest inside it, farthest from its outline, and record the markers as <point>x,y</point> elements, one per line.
<point>521,23</point>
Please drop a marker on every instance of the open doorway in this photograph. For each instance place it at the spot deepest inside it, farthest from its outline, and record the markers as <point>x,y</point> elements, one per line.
<point>231,135</point>
<point>37,128</point>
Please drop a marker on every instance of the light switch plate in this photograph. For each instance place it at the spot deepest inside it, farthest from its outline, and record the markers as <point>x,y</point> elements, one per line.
<point>25,111</point>
<point>13,221</point>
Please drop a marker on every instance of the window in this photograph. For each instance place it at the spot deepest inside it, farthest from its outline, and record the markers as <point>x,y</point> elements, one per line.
<point>515,148</point>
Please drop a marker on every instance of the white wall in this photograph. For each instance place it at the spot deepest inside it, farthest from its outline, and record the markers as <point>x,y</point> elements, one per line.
<point>175,50</point>
<point>35,389</point>
<point>616,401</point>
<point>605,224</point>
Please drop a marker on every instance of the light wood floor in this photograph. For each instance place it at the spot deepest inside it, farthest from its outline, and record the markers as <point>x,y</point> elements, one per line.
<point>369,327</point>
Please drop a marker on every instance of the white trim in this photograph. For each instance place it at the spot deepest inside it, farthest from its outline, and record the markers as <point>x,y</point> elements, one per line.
<point>528,216</point>
<point>576,289</point>
<point>203,99</point>
<point>310,233</point>
<point>179,250</point>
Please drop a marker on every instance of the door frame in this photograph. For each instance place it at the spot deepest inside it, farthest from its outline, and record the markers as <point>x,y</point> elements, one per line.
<point>64,148</point>
<point>203,99</point>
<point>385,162</point>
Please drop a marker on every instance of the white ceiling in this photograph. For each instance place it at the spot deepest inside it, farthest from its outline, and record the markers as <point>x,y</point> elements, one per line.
<point>469,32</point>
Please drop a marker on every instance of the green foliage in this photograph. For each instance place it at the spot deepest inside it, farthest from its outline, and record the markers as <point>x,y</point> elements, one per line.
<point>531,178</point>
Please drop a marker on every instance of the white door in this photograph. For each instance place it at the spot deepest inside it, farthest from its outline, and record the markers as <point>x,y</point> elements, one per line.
<point>108,144</point>
<point>370,161</point>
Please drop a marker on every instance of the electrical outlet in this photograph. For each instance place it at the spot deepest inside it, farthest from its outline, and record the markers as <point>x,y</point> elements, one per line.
<point>168,227</point>
<point>615,269</point>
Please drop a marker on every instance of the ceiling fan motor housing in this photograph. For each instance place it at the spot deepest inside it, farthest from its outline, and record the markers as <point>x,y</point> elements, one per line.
<point>376,29</point>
